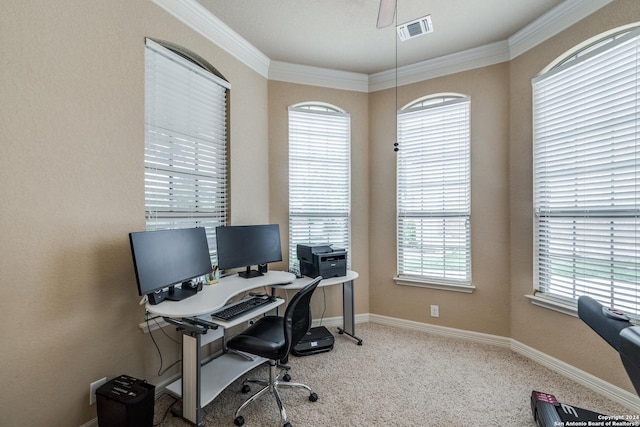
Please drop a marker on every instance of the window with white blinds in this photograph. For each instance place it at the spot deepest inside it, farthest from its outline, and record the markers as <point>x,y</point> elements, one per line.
<point>434,191</point>
<point>587,176</point>
<point>185,144</point>
<point>319,178</point>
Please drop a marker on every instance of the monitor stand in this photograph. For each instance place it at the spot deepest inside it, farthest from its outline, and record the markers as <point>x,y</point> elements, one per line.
<point>178,294</point>
<point>249,273</point>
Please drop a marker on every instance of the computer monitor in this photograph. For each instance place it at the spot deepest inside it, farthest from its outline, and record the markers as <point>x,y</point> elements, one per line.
<point>243,246</point>
<point>165,258</point>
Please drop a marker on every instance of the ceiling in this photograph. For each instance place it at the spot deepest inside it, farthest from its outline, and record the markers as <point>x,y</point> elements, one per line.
<point>342,34</point>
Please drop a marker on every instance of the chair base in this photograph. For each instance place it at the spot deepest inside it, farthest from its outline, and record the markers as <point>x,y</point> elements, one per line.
<point>272,386</point>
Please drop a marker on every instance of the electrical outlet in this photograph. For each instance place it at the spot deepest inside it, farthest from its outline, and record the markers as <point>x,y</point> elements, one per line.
<point>435,311</point>
<point>93,387</point>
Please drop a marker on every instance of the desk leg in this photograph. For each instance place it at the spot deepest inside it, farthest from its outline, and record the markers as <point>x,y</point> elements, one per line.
<point>191,410</point>
<point>348,312</point>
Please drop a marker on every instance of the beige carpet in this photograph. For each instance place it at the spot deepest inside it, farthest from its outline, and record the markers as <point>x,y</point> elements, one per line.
<point>403,378</point>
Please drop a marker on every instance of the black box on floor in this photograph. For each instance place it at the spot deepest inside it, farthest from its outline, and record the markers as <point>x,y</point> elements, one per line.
<point>125,402</point>
<point>317,340</point>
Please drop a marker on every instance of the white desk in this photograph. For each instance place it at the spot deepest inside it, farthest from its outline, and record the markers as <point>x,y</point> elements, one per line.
<point>348,311</point>
<point>200,385</point>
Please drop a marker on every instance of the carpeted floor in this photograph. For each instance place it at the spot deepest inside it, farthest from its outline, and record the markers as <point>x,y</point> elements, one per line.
<point>402,378</point>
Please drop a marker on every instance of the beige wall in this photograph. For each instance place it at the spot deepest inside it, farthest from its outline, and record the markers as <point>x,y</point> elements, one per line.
<point>281,96</point>
<point>557,335</point>
<point>72,120</point>
<point>487,309</point>
<point>501,212</point>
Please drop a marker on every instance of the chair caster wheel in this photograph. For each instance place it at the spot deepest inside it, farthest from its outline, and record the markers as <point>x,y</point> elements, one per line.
<point>286,377</point>
<point>287,424</point>
<point>313,397</point>
<point>245,389</point>
<point>239,420</point>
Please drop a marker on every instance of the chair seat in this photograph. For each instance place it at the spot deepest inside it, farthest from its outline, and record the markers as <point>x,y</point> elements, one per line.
<point>272,337</point>
<point>263,338</point>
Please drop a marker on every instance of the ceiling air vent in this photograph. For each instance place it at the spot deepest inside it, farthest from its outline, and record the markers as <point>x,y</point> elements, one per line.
<point>415,28</point>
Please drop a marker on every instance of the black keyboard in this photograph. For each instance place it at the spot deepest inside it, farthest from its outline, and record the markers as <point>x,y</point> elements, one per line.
<point>230,312</point>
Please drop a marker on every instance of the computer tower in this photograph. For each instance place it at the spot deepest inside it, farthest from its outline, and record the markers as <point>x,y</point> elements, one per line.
<point>125,402</point>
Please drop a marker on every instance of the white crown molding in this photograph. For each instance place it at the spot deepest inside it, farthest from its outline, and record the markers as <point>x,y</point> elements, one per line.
<point>194,15</point>
<point>198,18</point>
<point>482,56</point>
<point>551,23</point>
<point>315,76</point>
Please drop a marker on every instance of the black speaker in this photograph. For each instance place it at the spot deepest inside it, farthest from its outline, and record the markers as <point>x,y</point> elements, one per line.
<point>263,268</point>
<point>157,297</point>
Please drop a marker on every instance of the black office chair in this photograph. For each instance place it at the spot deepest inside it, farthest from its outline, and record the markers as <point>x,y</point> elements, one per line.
<point>272,337</point>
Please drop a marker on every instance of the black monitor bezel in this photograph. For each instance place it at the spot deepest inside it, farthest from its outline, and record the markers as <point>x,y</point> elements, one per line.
<point>224,232</point>
<point>205,268</point>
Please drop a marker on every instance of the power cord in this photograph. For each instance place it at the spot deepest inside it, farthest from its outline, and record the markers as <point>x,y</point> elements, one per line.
<point>164,416</point>
<point>324,302</point>
<point>160,371</point>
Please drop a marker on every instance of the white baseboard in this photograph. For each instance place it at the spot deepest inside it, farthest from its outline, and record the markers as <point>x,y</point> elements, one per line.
<point>337,320</point>
<point>442,330</point>
<point>610,391</point>
<point>593,383</point>
<point>91,423</point>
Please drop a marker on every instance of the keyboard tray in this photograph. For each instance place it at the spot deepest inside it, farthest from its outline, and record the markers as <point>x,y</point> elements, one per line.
<point>240,308</point>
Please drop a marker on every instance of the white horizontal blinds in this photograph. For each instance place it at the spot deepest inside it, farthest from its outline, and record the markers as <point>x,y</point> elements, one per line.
<point>587,176</point>
<point>185,144</point>
<point>319,178</point>
<point>434,196</point>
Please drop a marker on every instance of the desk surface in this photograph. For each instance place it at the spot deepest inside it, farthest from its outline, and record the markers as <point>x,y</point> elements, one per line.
<point>212,297</point>
<point>303,281</point>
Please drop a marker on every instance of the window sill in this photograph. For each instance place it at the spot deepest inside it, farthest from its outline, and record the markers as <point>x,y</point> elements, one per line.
<point>564,308</point>
<point>434,285</point>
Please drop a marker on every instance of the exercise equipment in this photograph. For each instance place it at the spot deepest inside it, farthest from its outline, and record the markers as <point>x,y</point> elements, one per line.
<point>616,329</point>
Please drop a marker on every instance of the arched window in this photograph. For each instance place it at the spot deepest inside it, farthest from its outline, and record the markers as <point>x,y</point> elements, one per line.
<point>185,141</point>
<point>587,174</point>
<point>434,191</point>
<point>319,177</point>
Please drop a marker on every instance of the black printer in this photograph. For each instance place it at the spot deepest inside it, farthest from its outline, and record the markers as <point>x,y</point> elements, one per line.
<point>322,260</point>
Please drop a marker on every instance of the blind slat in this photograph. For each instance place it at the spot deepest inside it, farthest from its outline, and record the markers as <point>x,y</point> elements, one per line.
<point>319,178</point>
<point>587,176</point>
<point>434,192</point>
<point>185,144</point>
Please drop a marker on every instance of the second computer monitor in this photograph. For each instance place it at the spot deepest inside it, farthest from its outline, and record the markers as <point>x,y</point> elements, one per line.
<point>243,246</point>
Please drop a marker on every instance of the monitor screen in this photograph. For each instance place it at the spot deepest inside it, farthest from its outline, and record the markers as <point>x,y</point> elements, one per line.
<point>165,258</point>
<point>248,245</point>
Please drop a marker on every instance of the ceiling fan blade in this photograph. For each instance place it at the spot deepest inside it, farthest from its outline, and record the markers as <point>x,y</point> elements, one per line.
<point>386,13</point>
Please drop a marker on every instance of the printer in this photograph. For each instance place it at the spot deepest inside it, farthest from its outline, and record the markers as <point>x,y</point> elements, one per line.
<point>321,260</point>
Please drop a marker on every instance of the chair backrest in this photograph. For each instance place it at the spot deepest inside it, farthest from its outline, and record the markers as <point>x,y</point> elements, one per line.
<point>297,317</point>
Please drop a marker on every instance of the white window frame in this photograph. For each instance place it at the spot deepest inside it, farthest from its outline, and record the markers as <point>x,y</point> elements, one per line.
<point>185,142</point>
<point>319,178</point>
<point>586,115</point>
<point>434,193</point>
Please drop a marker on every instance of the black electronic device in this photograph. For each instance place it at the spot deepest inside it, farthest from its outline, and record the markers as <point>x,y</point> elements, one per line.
<point>317,340</point>
<point>321,260</point>
<point>621,334</point>
<point>243,246</point>
<point>125,402</point>
<point>305,252</point>
<point>163,259</point>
